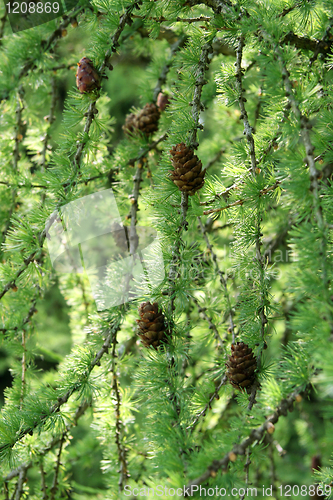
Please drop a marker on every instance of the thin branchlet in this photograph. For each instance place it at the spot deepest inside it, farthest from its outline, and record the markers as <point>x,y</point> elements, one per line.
<point>256,435</point>
<point>79,152</point>
<point>63,399</point>
<point>119,427</point>
<point>309,159</point>
<point>213,396</point>
<point>222,279</point>
<point>248,132</point>
<point>55,482</point>
<point>212,326</point>
<point>50,119</point>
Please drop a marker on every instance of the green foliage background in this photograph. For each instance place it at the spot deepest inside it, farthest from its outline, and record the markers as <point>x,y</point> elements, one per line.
<point>257,268</point>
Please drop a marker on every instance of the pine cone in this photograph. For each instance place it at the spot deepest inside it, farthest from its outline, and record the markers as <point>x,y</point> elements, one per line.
<point>145,120</point>
<point>187,174</point>
<point>87,78</point>
<point>241,366</point>
<point>152,328</point>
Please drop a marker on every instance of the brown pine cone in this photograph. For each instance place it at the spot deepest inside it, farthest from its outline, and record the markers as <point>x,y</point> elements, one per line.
<point>87,78</point>
<point>187,173</point>
<point>241,366</point>
<point>152,327</point>
<point>145,120</point>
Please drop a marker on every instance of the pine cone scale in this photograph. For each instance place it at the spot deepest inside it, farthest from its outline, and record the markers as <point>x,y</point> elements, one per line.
<point>187,173</point>
<point>152,325</point>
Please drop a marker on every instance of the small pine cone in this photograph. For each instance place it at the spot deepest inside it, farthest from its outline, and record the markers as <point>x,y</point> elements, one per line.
<point>241,366</point>
<point>146,120</point>
<point>152,327</point>
<point>187,173</point>
<point>87,78</point>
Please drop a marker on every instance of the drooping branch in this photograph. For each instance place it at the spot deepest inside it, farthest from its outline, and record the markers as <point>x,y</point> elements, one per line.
<point>166,68</point>
<point>306,43</point>
<point>213,396</point>
<point>256,435</point>
<point>20,484</point>
<point>310,160</point>
<point>241,201</point>
<point>26,320</point>
<point>212,326</point>
<point>55,482</point>
<point>125,18</point>
<point>122,459</point>
<point>63,399</point>
<point>200,81</point>
<point>248,131</point>
<point>50,119</point>
<point>223,281</point>
<point>56,440</point>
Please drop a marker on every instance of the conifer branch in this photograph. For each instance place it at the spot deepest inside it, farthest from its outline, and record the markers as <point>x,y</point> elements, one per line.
<point>26,320</point>
<point>133,236</point>
<point>63,399</point>
<point>80,144</point>
<point>56,440</point>
<point>55,483</point>
<point>47,43</point>
<point>306,43</point>
<point>176,252</point>
<point>23,364</point>
<point>224,194</point>
<point>43,483</point>
<point>213,396</point>
<point>122,459</point>
<point>223,281</point>
<point>248,130</point>
<point>50,119</point>
<point>323,42</point>
<point>166,68</point>
<point>163,19</point>
<point>218,6</point>
<point>286,10</point>
<point>203,65</point>
<point>247,470</point>
<point>212,326</point>
<point>241,201</point>
<point>145,149</point>
<point>196,104</point>
<point>20,483</point>
<point>256,435</point>
<point>18,131</point>
<point>124,19</point>
<point>92,110</point>
<point>315,174</point>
